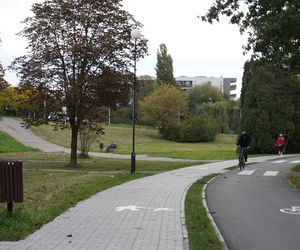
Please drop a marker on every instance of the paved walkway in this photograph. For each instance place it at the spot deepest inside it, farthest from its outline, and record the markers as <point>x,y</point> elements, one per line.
<point>147,213</point>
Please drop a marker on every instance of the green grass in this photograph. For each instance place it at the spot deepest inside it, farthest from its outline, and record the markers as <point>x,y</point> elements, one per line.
<point>48,194</point>
<point>201,234</point>
<point>295,178</point>
<point>149,142</point>
<point>50,187</point>
<point>9,144</point>
<point>56,161</point>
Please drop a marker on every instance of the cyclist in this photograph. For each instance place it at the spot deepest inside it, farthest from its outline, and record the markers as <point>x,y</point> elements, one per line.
<point>280,144</point>
<point>244,142</point>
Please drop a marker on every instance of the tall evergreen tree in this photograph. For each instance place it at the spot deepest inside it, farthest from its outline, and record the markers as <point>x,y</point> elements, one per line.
<point>164,66</point>
<point>270,107</point>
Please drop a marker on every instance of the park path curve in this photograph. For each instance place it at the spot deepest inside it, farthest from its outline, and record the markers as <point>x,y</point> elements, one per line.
<point>146,213</point>
<point>14,128</point>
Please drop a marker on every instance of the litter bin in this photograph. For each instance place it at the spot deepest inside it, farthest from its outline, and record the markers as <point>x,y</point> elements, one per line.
<point>11,183</point>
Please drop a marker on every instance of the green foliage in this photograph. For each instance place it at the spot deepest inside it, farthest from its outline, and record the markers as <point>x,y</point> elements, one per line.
<point>164,66</point>
<point>170,133</point>
<point>145,86</point>
<point>218,112</point>
<point>270,99</point>
<point>10,99</point>
<point>233,111</point>
<point>273,35</point>
<point>164,108</point>
<point>198,129</point>
<point>205,93</point>
<point>208,101</point>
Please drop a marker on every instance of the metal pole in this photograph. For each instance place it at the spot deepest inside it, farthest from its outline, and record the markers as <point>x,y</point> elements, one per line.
<point>132,169</point>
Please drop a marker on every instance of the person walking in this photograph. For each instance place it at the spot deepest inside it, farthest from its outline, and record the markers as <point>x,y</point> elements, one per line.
<point>280,142</point>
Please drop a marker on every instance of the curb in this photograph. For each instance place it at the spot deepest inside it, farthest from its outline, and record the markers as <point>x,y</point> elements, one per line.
<point>185,237</point>
<point>210,217</point>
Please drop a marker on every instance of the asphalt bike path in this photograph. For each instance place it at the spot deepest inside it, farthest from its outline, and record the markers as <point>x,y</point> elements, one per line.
<point>146,213</point>
<point>257,208</point>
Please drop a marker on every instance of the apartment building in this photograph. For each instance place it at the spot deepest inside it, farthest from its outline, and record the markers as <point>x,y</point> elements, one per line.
<point>226,85</point>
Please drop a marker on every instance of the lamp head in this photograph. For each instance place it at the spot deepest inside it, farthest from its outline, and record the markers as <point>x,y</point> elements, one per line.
<point>135,34</point>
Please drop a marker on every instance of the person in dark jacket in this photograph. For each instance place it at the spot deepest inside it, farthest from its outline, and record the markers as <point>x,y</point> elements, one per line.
<point>244,142</point>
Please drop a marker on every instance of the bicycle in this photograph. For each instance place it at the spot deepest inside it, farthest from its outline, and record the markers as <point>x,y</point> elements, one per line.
<point>242,161</point>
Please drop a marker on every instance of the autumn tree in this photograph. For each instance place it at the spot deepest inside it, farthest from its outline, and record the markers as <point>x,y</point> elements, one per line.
<point>164,108</point>
<point>80,55</point>
<point>164,66</point>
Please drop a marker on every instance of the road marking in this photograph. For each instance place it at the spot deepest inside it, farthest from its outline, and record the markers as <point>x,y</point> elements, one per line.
<point>246,172</point>
<point>294,161</point>
<point>138,208</point>
<point>130,207</point>
<point>270,173</point>
<point>162,209</point>
<point>292,210</point>
<point>280,161</point>
<point>202,168</point>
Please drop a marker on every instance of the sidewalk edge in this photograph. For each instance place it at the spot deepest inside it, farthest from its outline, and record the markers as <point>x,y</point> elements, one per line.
<point>185,237</point>
<point>210,217</point>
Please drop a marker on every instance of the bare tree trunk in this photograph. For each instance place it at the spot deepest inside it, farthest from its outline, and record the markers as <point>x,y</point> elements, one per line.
<point>74,136</point>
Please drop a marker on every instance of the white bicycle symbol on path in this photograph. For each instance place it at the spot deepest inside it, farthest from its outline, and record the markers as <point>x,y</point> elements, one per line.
<point>292,210</point>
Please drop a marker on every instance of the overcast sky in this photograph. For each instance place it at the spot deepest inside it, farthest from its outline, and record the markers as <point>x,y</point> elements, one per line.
<point>197,48</point>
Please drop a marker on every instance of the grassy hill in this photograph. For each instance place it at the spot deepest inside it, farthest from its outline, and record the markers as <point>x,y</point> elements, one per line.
<point>149,142</point>
<point>9,144</point>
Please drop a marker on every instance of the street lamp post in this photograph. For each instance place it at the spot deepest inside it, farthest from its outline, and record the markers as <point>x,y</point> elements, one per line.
<point>135,34</point>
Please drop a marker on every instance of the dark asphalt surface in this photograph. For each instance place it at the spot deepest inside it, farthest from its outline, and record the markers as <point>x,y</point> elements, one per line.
<point>246,208</point>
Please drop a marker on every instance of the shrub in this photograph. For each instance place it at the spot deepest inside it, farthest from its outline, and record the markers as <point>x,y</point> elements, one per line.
<point>192,129</point>
<point>170,133</point>
<point>198,129</point>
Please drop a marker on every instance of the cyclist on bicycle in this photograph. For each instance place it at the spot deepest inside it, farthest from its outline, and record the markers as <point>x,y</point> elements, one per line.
<point>244,142</point>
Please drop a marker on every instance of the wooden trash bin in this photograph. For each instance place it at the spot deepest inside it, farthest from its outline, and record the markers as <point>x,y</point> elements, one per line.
<point>11,183</point>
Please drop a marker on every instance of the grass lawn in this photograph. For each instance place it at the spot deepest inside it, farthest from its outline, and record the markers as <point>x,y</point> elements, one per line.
<point>9,144</point>
<point>200,232</point>
<point>295,178</point>
<point>149,142</point>
<point>50,187</point>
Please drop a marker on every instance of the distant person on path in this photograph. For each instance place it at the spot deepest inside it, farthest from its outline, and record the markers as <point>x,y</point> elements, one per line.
<point>280,142</point>
<point>244,142</point>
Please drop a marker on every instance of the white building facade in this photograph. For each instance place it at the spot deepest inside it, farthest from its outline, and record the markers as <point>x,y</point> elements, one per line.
<point>226,85</point>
